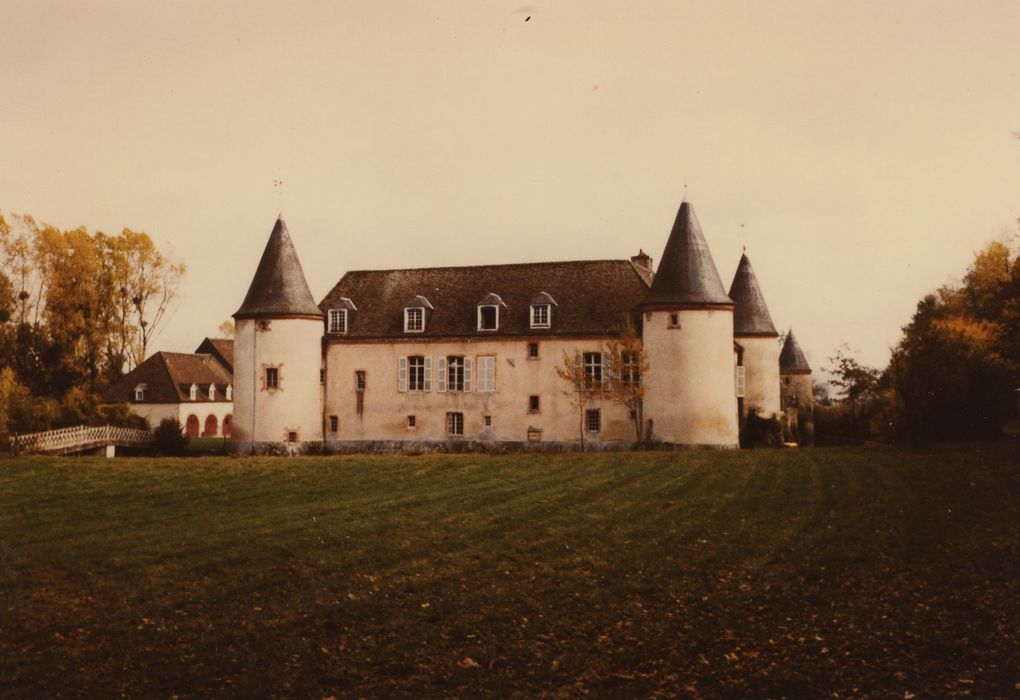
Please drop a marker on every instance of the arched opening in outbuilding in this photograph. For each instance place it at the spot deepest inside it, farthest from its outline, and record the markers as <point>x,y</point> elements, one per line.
<point>228,424</point>
<point>211,424</point>
<point>191,427</point>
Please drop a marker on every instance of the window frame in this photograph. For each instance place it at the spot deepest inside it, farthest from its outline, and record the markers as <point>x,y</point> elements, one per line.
<point>193,392</point>
<point>140,392</point>
<point>536,311</point>
<point>419,325</point>
<point>339,328</point>
<point>416,373</point>
<point>360,380</point>
<point>454,421</point>
<point>272,378</point>
<point>594,371</point>
<point>412,421</point>
<point>485,371</point>
<point>630,369</point>
<point>481,316</point>
<point>533,344</point>
<point>589,414</point>
<point>334,424</point>
<point>535,403</point>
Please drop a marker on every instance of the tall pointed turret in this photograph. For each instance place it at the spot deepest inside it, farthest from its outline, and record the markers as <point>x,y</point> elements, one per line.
<point>751,315</point>
<point>754,331</point>
<point>687,331</point>
<point>687,273</point>
<point>277,356</point>
<point>279,288</point>
<point>791,359</point>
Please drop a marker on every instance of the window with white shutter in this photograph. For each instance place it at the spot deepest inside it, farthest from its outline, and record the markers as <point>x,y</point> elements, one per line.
<point>741,381</point>
<point>402,374</point>
<point>441,375</point>
<point>486,373</point>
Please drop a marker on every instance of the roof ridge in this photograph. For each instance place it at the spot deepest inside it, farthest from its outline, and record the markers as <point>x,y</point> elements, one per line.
<point>468,267</point>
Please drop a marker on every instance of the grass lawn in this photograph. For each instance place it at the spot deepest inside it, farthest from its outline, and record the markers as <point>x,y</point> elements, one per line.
<point>798,573</point>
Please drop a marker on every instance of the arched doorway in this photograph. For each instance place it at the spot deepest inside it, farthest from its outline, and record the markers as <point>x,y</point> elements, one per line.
<point>191,427</point>
<point>228,424</point>
<point>210,426</point>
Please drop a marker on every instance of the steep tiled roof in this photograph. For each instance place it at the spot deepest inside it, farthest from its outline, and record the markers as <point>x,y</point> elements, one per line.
<point>687,273</point>
<point>168,377</point>
<point>791,359</point>
<point>221,348</point>
<point>279,287</point>
<point>593,298</point>
<point>750,315</point>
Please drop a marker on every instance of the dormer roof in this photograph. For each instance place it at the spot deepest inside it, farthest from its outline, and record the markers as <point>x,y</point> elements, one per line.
<point>492,299</point>
<point>750,315</point>
<point>279,288</point>
<point>543,298</point>
<point>791,358</point>
<point>417,302</point>
<point>687,274</point>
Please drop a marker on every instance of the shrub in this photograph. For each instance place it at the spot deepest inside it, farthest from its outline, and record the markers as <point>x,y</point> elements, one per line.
<point>761,432</point>
<point>169,437</point>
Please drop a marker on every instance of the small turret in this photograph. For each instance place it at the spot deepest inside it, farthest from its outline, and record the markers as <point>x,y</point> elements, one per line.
<point>688,340</point>
<point>754,330</point>
<point>277,355</point>
<point>796,392</point>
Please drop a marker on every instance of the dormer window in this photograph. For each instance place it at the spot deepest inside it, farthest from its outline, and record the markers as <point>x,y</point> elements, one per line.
<point>488,312</point>
<point>229,392</point>
<point>415,314</point>
<point>140,392</point>
<point>212,392</point>
<point>541,310</point>
<point>337,321</point>
<point>193,393</point>
<point>414,320</point>
<point>338,318</point>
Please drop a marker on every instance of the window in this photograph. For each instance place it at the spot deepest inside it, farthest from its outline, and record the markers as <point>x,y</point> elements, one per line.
<point>488,421</point>
<point>412,422</point>
<point>593,420</point>
<point>337,321</point>
<point>334,424</point>
<point>533,404</point>
<point>322,376</point>
<point>674,320</point>
<point>230,392</point>
<point>741,380</point>
<point>212,392</point>
<point>454,423</point>
<point>292,436</point>
<point>532,351</point>
<point>486,373</point>
<point>263,325</point>
<point>414,320</point>
<point>359,380</point>
<point>631,369</point>
<point>540,315</point>
<point>454,373</point>
<point>415,373</point>
<point>272,378</point>
<point>593,367</point>
<point>488,318</point>
<point>140,392</point>
<point>193,393</point>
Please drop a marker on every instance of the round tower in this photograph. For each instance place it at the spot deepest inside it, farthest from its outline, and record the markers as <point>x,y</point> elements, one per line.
<point>758,339</point>
<point>797,393</point>
<point>687,331</point>
<point>277,356</point>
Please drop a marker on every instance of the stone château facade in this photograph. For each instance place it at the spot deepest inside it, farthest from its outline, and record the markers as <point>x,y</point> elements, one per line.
<point>434,357</point>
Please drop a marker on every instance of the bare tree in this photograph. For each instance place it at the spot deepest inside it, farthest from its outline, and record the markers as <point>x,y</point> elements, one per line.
<point>627,369</point>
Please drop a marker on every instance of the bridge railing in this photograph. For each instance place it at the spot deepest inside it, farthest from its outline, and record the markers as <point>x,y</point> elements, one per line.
<point>79,438</point>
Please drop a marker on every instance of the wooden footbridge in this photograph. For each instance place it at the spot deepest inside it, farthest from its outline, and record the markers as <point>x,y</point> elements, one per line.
<point>81,438</point>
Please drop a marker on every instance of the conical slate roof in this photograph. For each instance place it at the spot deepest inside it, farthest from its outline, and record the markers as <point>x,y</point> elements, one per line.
<point>687,273</point>
<point>791,358</point>
<point>751,315</point>
<point>279,287</point>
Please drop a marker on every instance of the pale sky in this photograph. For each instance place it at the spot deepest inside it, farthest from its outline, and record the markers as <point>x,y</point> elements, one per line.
<point>861,151</point>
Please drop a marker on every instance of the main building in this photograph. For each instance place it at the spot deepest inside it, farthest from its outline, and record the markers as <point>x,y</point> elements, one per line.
<point>440,355</point>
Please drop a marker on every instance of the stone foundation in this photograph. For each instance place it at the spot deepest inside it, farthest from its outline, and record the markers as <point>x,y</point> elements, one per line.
<point>415,447</point>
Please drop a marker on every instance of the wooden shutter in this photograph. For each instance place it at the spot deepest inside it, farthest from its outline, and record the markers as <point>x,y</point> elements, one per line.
<point>441,374</point>
<point>467,374</point>
<point>402,375</point>
<point>741,381</point>
<point>428,373</point>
